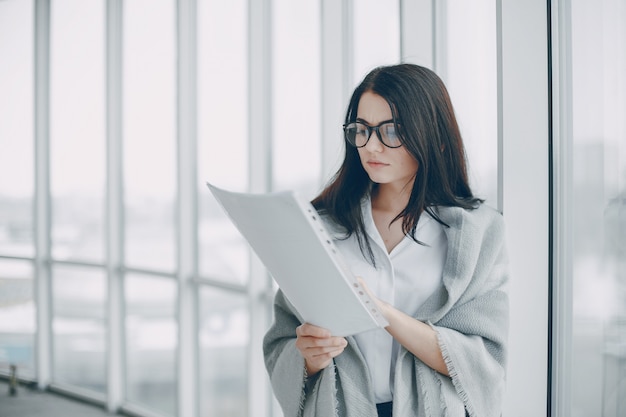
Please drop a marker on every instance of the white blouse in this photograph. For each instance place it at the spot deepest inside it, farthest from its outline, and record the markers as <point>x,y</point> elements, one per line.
<point>404,278</point>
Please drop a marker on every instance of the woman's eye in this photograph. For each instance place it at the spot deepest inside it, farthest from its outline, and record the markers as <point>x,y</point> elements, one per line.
<point>361,131</point>
<point>390,131</point>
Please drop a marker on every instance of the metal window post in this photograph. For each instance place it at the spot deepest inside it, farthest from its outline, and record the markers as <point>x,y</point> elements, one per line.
<point>524,118</point>
<point>187,247</point>
<point>260,180</point>
<point>417,32</point>
<point>337,74</point>
<point>561,190</point>
<point>43,286</point>
<point>114,210</point>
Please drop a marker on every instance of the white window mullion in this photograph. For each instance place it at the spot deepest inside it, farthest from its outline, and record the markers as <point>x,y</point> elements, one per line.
<point>260,95</point>
<point>525,203</point>
<point>43,285</point>
<point>562,251</point>
<point>440,41</point>
<point>417,32</point>
<point>187,210</point>
<point>336,71</point>
<point>114,211</point>
<point>500,185</point>
<point>260,180</point>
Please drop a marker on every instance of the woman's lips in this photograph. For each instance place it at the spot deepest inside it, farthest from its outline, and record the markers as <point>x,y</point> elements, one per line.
<point>376,164</point>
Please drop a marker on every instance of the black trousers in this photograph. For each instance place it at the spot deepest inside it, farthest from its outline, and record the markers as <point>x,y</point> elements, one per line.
<point>384,409</point>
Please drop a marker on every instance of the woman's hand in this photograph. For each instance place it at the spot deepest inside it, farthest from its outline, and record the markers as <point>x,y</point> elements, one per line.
<point>318,347</point>
<point>417,337</point>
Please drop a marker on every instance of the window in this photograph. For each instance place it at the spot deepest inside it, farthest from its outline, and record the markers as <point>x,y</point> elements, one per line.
<point>376,35</point>
<point>79,332</point>
<point>224,343</point>
<point>16,128</point>
<point>597,208</point>
<point>17,318</point>
<point>149,133</point>
<point>151,342</point>
<point>77,130</point>
<point>466,61</point>
<point>296,141</point>
<point>222,133</point>
<point>17,308</point>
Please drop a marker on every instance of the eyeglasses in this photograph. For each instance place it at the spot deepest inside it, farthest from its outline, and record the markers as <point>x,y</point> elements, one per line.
<point>358,134</point>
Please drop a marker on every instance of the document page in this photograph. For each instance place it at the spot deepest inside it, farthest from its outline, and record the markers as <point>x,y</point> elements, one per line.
<point>287,234</point>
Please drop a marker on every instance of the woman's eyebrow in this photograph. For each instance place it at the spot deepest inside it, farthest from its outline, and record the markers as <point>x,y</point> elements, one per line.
<point>358,119</point>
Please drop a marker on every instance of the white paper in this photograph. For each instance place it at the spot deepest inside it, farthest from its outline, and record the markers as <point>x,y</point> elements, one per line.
<point>288,236</point>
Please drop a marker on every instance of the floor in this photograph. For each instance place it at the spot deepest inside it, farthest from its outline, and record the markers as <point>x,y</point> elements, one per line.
<point>32,402</point>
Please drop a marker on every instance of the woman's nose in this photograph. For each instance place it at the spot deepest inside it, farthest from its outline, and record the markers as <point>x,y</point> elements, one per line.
<point>374,144</point>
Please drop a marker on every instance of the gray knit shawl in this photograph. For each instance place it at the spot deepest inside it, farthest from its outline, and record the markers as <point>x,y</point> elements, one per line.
<point>469,314</point>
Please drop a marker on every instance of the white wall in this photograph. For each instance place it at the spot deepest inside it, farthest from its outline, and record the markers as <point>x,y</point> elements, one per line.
<point>525,176</point>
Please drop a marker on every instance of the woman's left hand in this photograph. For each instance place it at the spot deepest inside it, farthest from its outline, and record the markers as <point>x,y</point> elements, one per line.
<point>416,336</point>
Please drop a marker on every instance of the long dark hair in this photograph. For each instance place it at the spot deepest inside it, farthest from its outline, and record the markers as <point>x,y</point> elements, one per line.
<point>423,113</point>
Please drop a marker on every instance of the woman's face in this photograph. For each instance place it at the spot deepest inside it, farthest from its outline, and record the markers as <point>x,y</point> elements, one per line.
<point>384,165</point>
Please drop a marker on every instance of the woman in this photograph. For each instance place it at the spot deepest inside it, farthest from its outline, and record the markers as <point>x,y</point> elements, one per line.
<point>430,253</point>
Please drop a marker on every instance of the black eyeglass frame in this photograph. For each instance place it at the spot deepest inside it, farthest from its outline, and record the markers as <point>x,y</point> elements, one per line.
<point>370,130</point>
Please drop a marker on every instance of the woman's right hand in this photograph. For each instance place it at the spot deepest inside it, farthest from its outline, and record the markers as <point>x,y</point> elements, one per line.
<point>318,347</point>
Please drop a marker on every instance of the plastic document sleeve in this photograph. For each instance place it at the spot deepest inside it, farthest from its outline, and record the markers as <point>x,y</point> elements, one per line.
<point>290,239</point>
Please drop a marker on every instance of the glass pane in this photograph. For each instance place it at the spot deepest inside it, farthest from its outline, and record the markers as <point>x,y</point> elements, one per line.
<point>16,128</point>
<point>296,131</point>
<point>150,133</point>
<point>598,207</point>
<point>468,68</point>
<point>376,35</point>
<point>79,326</point>
<point>17,318</point>
<point>224,339</point>
<point>151,342</point>
<point>77,129</point>
<point>222,132</point>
